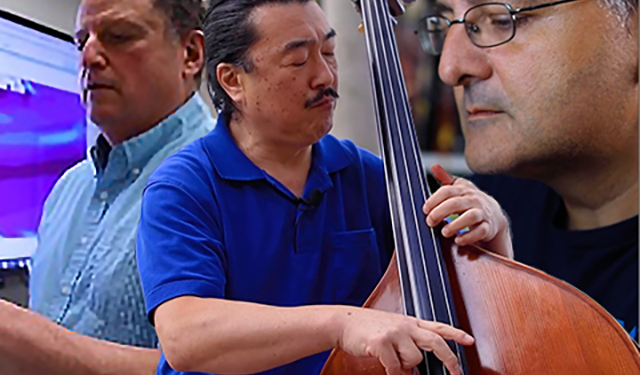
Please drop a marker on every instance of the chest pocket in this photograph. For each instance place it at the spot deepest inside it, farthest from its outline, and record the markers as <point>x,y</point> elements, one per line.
<point>356,265</point>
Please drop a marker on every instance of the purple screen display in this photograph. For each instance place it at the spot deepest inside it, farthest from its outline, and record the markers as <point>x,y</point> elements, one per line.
<point>42,134</point>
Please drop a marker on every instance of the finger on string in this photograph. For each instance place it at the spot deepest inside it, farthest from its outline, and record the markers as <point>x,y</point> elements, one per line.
<point>444,210</point>
<point>447,332</point>
<point>441,195</point>
<point>430,341</point>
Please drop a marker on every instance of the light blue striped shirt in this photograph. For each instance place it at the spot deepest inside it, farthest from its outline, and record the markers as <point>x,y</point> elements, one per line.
<point>84,274</point>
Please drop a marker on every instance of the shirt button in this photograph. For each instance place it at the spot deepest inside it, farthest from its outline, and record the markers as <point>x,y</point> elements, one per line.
<point>104,195</point>
<point>135,171</point>
<point>84,240</point>
<point>65,290</point>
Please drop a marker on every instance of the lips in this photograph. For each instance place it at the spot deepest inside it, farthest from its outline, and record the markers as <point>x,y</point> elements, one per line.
<point>482,112</point>
<point>98,86</point>
<point>324,102</point>
<point>92,81</point>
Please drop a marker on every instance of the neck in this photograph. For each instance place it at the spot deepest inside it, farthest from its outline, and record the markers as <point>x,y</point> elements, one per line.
<point>121,130</point>
<point>289,164</point>
<point>599,196</point>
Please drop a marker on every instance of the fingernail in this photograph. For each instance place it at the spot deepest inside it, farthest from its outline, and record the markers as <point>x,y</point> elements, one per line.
<point>458,368</point>
<point>469,338</point>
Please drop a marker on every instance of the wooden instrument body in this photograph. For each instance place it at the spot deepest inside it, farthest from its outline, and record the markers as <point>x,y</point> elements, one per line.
<point>525,322</point>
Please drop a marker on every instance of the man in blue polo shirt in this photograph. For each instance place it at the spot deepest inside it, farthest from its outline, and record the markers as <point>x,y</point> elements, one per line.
<point>257,242</point>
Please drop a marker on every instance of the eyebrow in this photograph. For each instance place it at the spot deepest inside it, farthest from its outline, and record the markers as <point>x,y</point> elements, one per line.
<point>112,22</point>
<point>305,42</point>
<point>440,7</point>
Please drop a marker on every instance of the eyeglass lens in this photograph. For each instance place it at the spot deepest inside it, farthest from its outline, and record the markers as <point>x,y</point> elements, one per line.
<point>487,25</point>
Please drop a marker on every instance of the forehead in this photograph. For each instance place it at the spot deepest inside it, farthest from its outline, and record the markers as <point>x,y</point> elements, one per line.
<point>463,5</point>
<point>92,12</point>
<point>278,24</point>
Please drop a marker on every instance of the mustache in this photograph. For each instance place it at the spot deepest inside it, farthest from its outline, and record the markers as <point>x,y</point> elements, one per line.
<point>329,91</point>
<point>482,97</point>
<point>89,80</point>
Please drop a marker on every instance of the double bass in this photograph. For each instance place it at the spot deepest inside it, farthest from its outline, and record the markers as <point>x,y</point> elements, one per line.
<point>524,321</point>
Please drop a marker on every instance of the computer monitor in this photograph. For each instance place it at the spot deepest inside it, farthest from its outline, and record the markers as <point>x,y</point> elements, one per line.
<point>42,127</point>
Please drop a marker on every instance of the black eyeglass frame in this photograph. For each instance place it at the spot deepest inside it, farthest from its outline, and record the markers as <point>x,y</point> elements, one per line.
<point>512,13</point>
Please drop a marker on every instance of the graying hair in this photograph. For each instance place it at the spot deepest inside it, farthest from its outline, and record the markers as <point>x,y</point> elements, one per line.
<point>623,9</point>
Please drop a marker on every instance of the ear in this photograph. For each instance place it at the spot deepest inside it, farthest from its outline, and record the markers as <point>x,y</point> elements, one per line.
<point>230,79</point>
<point>193,47</point>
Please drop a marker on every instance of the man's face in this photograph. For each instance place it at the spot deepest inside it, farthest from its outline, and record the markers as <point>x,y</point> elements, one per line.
<point>133,65</point>
<point>288,91</point>
<point>558,95</point>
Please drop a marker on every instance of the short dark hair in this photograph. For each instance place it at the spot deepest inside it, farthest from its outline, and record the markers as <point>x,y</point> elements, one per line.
<point>184,16</point>
<point>229,35</point>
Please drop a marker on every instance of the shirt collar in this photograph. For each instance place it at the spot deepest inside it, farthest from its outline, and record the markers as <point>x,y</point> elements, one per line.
<point>329,155</point>
<point>136,152</point>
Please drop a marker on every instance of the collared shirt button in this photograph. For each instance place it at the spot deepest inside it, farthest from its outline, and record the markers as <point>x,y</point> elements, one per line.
<point>84,240</point>
<point>104,195</point>
<point>65,290</point>
<point>135,171</point>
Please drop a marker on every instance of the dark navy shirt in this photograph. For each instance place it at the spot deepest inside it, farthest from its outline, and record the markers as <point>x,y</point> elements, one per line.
<point>601,262</point>
<point>215,225</point>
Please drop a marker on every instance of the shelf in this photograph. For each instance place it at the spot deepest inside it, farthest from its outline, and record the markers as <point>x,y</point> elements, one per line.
<point>452,163</point>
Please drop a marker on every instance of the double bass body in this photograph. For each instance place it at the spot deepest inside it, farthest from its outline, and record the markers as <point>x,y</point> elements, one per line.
<point>524,321</point>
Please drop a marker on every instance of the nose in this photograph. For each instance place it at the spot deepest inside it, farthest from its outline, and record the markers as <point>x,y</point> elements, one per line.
<point>461,61</point>
<point>92,55</point>
<point>327,72</point>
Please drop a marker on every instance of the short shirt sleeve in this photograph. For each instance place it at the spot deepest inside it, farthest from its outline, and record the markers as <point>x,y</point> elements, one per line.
<point>179,245</point>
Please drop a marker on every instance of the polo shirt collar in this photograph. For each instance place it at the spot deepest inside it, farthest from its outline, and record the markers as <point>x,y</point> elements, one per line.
<point>329,155</point>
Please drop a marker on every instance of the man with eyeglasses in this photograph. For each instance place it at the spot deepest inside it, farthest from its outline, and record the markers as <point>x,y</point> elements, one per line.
<point>547,94</point>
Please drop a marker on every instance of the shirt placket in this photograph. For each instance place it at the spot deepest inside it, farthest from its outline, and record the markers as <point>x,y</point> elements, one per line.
<point>103,195</point>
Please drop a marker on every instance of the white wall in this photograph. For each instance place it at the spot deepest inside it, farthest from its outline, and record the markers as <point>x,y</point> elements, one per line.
<point>58,14</point>
<point>354,117</point>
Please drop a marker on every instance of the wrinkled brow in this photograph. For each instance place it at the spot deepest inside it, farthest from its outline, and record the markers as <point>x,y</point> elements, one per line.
<point>305,42</point>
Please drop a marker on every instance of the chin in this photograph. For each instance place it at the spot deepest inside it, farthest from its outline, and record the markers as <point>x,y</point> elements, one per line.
<point>507,163</point>
<point>323,128</point>
<point>484,162</point>
<point>103,115</point>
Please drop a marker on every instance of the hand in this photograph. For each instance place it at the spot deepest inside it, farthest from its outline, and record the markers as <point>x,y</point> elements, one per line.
<point>395,340</point>
<point>479,213</point>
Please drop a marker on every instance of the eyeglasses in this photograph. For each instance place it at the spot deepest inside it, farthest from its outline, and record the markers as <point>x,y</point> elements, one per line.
<point>487,25</point>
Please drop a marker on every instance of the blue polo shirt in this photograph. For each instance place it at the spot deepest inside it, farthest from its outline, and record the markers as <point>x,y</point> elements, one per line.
<point>215,225</point>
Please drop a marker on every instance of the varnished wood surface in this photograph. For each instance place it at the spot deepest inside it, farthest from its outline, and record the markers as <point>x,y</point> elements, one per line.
<point>525,322</point>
